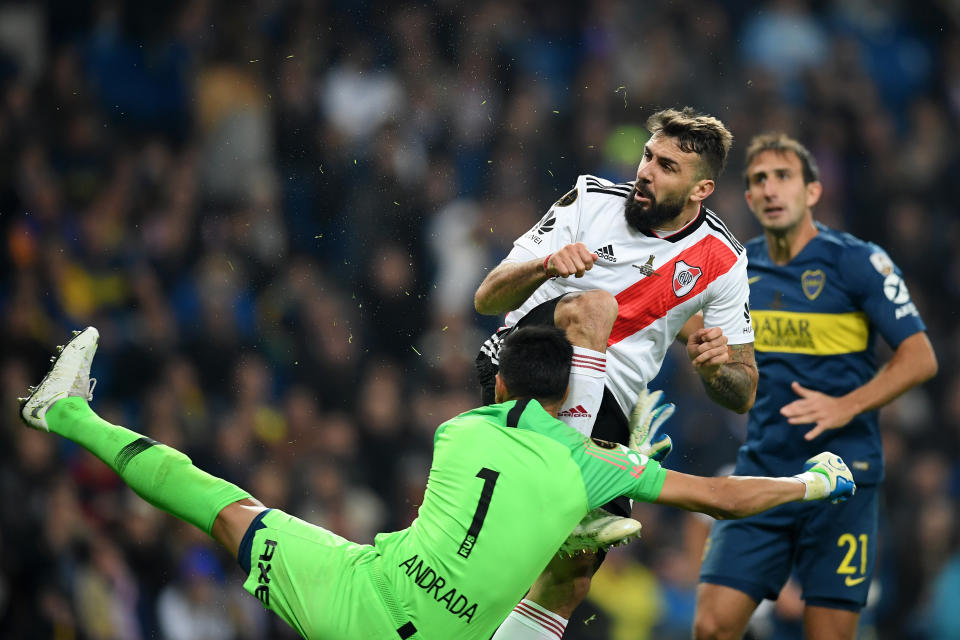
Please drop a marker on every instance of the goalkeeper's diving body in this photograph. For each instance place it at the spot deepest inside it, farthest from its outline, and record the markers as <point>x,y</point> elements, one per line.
<point>508,484</point>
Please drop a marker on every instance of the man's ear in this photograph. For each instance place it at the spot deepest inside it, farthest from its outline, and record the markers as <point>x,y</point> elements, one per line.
<point>499,390</point>
<point>814,191</point>
<point>702,190</point>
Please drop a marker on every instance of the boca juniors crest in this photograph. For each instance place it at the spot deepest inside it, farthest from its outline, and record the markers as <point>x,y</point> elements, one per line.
<point>812,283</point>
<point>685,276</point>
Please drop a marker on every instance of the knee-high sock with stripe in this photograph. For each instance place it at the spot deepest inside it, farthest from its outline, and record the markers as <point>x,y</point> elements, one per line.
<point>159,474</point>
<point>530,621</point>
<point>588,374</point>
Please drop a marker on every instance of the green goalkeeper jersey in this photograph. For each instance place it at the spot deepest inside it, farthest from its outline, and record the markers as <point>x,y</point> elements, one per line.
<point>508,484</point>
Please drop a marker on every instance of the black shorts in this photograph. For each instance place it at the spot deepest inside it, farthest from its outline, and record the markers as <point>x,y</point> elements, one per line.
<point>611,424</point>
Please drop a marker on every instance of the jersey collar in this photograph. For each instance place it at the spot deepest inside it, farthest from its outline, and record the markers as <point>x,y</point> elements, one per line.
<point>513,416</point>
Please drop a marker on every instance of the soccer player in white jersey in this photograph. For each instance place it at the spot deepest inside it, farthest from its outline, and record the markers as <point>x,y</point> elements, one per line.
<point>645,257</point>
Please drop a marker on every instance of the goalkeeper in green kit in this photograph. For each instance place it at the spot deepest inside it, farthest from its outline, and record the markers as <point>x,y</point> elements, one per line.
<point>508,484</point>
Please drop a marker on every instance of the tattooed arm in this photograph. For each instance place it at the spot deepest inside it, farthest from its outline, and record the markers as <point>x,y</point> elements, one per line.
<point>729,372</point>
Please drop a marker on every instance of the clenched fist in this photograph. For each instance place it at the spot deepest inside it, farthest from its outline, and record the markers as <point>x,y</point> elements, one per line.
<point>572,260</point>
<point>708,351</point>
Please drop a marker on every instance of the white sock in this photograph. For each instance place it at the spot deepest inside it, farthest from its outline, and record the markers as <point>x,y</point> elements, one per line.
<point>530,621</point>
<point>588,373</point>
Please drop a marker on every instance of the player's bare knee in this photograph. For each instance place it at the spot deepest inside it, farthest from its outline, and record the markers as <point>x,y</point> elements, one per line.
<point>587,317</point>
<point>596,306</point>
<point>707,625</point>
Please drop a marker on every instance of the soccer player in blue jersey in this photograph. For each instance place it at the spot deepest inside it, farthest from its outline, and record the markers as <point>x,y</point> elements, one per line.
<point>819,298</point>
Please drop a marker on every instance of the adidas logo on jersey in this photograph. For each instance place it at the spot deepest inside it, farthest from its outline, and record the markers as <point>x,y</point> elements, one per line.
<point>575,412</point>
<point>606,253</point>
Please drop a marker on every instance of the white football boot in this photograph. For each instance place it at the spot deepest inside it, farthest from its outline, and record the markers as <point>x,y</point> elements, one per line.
<point>599,530</point>
<point>69,376</point>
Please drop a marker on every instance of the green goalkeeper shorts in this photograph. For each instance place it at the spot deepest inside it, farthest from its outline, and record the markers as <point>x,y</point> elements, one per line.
<point>322,585</point>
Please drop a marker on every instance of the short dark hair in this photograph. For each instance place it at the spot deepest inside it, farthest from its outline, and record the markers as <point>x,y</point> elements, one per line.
<point>782,143</point>
<point>535,363</point>
<point>695,132</point>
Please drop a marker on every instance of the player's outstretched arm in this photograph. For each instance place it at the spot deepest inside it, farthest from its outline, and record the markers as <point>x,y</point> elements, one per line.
<point>233,521</point>
<point>825,476</point>
<point>510,284</point>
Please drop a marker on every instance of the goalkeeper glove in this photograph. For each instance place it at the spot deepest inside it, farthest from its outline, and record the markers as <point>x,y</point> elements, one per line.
<point>826,477</point>
<point>645,422</point>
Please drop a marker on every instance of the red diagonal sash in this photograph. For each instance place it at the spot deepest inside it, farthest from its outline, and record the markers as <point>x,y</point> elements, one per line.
<point>652,297</point>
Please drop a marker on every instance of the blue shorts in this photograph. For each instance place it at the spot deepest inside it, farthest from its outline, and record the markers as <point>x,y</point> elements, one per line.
<point>830,548</point>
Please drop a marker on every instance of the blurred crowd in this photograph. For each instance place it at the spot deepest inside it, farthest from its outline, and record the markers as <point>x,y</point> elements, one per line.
<point>277,213</point>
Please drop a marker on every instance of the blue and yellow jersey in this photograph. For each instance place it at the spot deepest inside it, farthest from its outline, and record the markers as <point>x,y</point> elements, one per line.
<point>816,321</point>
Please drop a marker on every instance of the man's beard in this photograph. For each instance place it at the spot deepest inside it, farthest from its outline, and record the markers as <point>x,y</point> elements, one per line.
<point>653,215</point>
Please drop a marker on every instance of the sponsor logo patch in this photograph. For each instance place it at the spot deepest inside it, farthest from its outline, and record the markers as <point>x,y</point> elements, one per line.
<point>881,262</point>
<point>546,225</point>
<point>262,591</point>
<point>908,309</point>
<point>568,198</point>
<point>895,289</point>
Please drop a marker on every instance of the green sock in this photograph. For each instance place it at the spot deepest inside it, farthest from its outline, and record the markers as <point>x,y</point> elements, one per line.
<point>159,474</point>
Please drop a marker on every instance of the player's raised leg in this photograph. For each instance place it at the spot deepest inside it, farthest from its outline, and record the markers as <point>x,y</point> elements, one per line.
<point>164,477</point>
<point>587,319</point>
<point>544,613</point>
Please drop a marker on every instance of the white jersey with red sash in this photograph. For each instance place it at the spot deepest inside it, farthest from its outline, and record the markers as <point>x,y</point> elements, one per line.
<point>660,281</point>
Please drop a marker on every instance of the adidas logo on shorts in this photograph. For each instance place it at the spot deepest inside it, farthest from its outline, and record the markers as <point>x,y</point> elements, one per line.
<point>575,412</point>
<point>606,253</point>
